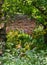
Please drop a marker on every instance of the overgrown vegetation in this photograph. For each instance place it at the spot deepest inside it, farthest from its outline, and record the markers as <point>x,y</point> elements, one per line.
<point>36,9</point>
<point>21,48</point>
<point>33,8</point>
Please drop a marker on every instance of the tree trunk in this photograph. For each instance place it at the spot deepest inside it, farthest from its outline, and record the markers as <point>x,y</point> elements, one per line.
<point>2,30</point>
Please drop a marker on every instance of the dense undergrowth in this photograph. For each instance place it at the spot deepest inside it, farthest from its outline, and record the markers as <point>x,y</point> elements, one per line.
<point>21,48</point>
<point>24,49</point>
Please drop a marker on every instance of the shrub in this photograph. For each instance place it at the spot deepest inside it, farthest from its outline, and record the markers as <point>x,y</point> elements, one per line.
<point>30,58</point>
<point>17,39</point>
<point>38,37</point>
<point>23,49</point>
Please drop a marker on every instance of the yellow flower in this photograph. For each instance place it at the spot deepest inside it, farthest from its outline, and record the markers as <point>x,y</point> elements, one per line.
<point>18,46</point>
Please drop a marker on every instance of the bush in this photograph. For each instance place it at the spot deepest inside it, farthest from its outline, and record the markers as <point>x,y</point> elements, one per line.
<point>17,39</point>
<point>38,37</point>
<point>30,58</point>
<point>23,49</point>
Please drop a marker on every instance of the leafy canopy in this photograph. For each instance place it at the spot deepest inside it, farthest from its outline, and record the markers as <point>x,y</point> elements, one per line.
<point>33,8</point>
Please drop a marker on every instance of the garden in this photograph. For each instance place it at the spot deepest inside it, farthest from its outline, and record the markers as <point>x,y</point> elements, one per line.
<point>20,48</point>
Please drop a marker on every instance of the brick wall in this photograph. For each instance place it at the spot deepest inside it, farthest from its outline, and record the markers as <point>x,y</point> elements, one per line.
<point>21,23</point>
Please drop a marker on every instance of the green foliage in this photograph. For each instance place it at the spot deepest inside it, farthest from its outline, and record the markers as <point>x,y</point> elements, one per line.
<point>33,8</point>
<point>18,39</point>
<point>23,49</point>
<point>30,58</point>
<point>15,38</point>
<point>38,37</point>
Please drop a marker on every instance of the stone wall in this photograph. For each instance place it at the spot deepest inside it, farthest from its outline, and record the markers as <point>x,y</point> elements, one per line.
<point>21,24</point>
